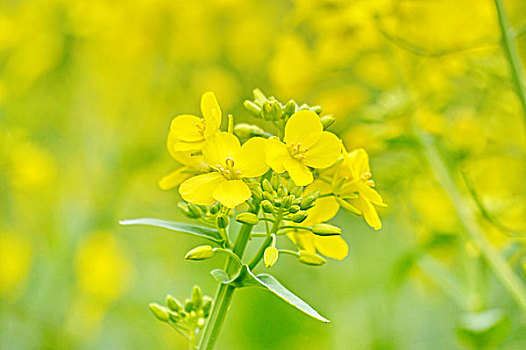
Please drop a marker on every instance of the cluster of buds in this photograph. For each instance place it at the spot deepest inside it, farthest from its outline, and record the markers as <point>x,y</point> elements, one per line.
<point>188,317</point>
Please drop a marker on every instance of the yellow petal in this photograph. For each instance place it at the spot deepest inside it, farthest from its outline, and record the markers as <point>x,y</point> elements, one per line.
<point>298,172</point>
<point>369,213</point>
<point>325,152</point>
<point>276,151</point>
<point>196,162</point>
<point>232,193</point>
<point>250,160</point>
<point>181,146</point>
<point>175,178</point>
<point>186,128</point>
<point>199,189</point>
<point>331,246</point>
<point>303,239</point>
<point>370,194</point>
<point>325,209</point>
<point>211,113</point>
<point>358,163</point>
<point>219,147</point>
<point>303,127</point>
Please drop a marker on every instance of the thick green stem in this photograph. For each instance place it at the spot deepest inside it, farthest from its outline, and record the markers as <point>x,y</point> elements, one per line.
<point>495,260</point>
<point>224,292</point>
<point>512,54</point>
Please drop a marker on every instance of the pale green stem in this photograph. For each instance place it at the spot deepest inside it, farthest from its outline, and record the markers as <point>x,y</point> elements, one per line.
<point>498,264</point>
<point>512,53</point>
<point>224,292</point>
<point>266,243</point>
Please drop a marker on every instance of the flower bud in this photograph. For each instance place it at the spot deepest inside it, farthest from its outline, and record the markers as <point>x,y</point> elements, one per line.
<point>309,258</point>
<point>327,120</point>
<point>160,312</point>
<point>270,256</point>
<point>194,211</point>
<point>326,230</point>
<point>300,216</point>
<point>307,202</point>
<point>287,202</point>
<point>291,107</point>
<point>247,218</point>
<point>271,110</point>
<point>257,194</point>
<point>267,206</point>
<point>222,221</point>
<point>207,306</point>
<point>252,108</point>
<point>296,191</point>
<point>197,297</point>
<point>175,316</point>
<point>267,187</point>
<point>200,253</point>
<point>294,209</point>
<point>189,306</point>
<point>259,96</point>
<point>246,131</point>
<point>316,109</point>
<point>214,209</point>
<point>275,180</point>
<point>173,304</point>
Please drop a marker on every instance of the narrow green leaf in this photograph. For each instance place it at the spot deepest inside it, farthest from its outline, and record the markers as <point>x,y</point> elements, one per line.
<point>245,278</point>
<point>220,275</point>
<point>194,230</point>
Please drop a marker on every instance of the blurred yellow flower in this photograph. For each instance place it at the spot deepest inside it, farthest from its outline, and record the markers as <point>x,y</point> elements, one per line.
<point>305,145</point>
<point>190,132</point>
<point>15,253</point>
<point>230,163</point>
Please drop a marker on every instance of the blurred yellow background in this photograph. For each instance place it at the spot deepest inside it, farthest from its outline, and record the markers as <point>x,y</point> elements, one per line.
<point>87,91</point>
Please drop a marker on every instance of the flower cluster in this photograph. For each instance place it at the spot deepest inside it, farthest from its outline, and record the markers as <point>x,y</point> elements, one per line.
<point>294,177</point>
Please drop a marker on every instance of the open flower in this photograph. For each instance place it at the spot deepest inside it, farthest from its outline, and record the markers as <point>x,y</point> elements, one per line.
<point>230,163</point>
<point>192,165</point>
<point>355,168</point>
<point>305,145</point>
<point>190,132</point>
<point>324,210</point>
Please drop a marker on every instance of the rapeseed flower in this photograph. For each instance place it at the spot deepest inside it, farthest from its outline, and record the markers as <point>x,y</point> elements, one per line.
<point>305,145</point>
<point>230,164</point>
<point>190,132</point>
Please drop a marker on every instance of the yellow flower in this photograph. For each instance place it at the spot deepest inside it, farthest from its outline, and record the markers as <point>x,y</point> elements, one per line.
<point>230,163</point>
<point>305,145</point>
<point>192,165</point>
<point>356,168</point>
<point>324,210</point>
<point>190,132</point>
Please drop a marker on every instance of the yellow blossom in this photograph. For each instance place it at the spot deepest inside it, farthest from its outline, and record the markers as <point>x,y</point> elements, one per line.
<point>324,210</point>
<point>230,163</point>
<point>305,145</point>
<point>190,132</point>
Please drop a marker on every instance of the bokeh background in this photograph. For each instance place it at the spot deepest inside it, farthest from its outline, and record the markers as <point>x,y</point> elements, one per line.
<point>87,91</point>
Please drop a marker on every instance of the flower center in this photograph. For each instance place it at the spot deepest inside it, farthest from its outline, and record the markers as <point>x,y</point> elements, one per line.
<point>367,179</point>
<point>297,151</point>
<point>229,172</point>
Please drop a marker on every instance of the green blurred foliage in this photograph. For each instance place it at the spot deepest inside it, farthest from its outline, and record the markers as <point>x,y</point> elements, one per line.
<point>87,91</point>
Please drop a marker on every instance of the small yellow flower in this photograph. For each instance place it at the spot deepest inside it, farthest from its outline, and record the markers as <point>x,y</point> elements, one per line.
<point>230,163</point>
<point>189,132</point>
<point>192,165</point>
<point>324,210</point>
<point>305,145</point>
<point>359,181</point>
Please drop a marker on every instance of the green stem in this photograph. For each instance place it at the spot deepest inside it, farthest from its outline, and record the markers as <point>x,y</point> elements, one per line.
<point>495,260</point>
<point>225,292</point>
<point>289,252</point>
<point>261,251</point>
<point>512,54</point>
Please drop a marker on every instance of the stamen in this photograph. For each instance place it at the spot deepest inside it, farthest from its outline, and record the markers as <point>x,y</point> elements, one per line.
<point>229,162</point>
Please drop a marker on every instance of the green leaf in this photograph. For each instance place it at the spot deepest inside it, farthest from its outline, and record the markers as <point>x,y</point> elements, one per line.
<point>220,275</point>
<point>245,278</point>
<point>194,230</point>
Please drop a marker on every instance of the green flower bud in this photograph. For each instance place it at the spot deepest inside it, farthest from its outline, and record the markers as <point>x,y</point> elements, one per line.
<point>201,322</point>
<point>267,206</point>
<point>197,296</point>
<point>267,187</point>
<point>326,230</point>
<point>207,306</point>
<point>316,109</point>
<point>300,216</point>
<point>271,110</point>
<point>252,108</point>
<point>175,316</point>
<point>296,191</point>
<point>307,202</point>
<point>309,258</point>
<point>287,202</point>
<point>194,211</point>
<point>275,180</point>
<point>294,209</point>
<point>327,121</point>
<point>270,256</point>
<point>259,96</point>
<point>291,107</point>
<point>282,192</point>
<point>268,197</point>
<point>247,218</point>
<point>222,221</point>
<point>246,131</point>
<point>257,193</point>
<point>189,306</point>
<point>173,304</point>
<point>200,253</point>
<point>214,208</point>
<point>160,312</point>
